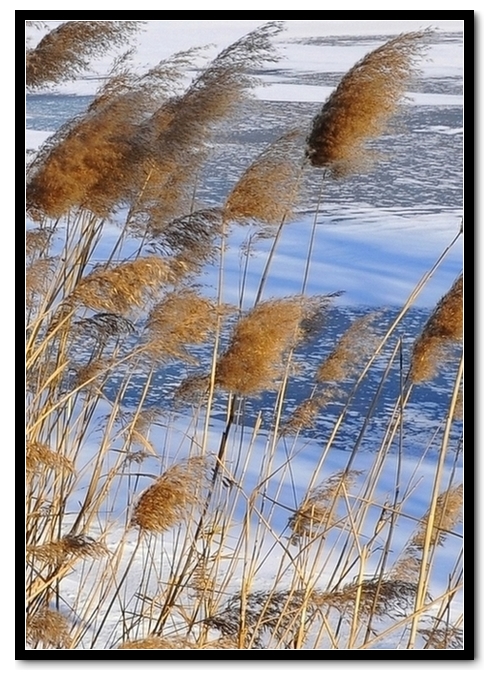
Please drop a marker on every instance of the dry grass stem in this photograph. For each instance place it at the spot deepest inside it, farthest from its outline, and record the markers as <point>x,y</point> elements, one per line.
<point>363,103</point>
<point>441,331</point>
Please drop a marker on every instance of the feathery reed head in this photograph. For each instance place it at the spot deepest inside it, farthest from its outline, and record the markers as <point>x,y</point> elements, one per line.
<point>40,456</point>
<point>180,319</point>
<point>71,546</point>
<point>317,512</point>
<point>260,339</point>
<point>443,328</point>
<point>172,497</point>
<point>48,628</point>
<point>267,190</point>
<point>64,52</point>
<point>363,103</point>
<point>120,289</point>
<point>352,349</point>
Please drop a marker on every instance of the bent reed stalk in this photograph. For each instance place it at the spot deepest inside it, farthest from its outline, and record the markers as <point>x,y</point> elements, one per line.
<point>205,519</point>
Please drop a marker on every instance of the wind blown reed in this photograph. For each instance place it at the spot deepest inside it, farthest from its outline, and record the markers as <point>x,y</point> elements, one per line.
<point>180,493</point>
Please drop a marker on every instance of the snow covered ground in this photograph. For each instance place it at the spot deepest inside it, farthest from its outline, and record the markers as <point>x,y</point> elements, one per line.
<point>377,234</point>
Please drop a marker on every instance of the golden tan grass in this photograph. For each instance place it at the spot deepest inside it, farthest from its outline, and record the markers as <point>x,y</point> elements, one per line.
<point>69,547</point>
<point>351,350</point>
<point>363,103</point>
<point>39,455</point>
<point>126,286</point>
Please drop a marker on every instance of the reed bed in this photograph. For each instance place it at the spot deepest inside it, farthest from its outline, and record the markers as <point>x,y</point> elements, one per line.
<point>208,526</point>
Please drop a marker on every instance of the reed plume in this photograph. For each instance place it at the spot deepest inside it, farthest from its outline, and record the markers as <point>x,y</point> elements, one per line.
<point>365,100</point>
<point>258,345</point>
<point>65,52</point>
<point>48,628</point>
<point>180,319</point>
<point>98,161</point>
<point>177,642</point>
<point>448,513</point>
<point>352,349</point>
<point>172,497</point>
<point>317,512</point>
<point>180,130</point>
<point>267,190</point>
<point>443,328</point>
<point>40,456</point>
<point>71,546</point>
<point>121,288</point>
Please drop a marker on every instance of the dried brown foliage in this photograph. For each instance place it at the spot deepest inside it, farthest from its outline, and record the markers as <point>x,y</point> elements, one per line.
<point>441,331</point>
<point>180,319</point>
<point>48,628</point>
<point>258,345</point>
<point>267,190</point>
<point>317,512</point>
<point>442,635</point>
<point>363,103</point>
<point>171,499</point>
<point>65,52</point>
<point>355,345</point>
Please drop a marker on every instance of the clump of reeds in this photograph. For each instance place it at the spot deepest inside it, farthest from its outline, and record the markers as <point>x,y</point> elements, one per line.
<point>363,103</point>
<point>277,612</point>
<point>317,512</point>
<point>65,52</point>
<point>181,318</point>
<point>258,345</point>
<point>173,496</point>
<point>48,628</point>
<point>443,328</point>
